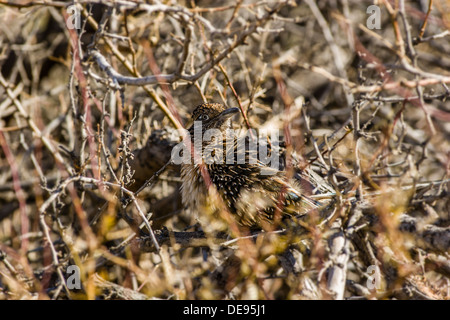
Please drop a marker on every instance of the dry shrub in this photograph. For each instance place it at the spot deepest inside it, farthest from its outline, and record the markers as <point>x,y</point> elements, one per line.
<point>87,118</point>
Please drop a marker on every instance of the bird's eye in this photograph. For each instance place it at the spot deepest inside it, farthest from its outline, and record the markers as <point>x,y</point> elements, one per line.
<point>203,117</point>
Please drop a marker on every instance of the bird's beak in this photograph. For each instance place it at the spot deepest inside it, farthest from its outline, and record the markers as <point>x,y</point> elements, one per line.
<point>228,113</point>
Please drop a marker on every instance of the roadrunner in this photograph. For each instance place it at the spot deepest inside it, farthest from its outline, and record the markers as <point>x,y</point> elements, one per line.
<point>251,191</point>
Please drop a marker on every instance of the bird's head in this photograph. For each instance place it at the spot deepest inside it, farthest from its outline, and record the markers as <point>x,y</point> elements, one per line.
<point>213,116</point>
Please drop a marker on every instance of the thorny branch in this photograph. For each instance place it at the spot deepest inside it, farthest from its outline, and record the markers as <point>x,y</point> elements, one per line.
<point>89,117</point>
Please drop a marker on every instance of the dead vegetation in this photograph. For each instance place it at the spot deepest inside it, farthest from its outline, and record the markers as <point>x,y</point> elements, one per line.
<point>92,94</point>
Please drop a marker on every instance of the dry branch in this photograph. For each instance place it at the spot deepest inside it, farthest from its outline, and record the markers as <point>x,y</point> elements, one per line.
<point>87,123</point>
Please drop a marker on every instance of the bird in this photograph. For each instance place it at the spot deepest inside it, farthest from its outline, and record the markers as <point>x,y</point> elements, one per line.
<point>250,190</point>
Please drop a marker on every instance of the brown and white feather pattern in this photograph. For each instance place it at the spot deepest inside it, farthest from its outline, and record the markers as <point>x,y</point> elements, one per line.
<point>248,193</point>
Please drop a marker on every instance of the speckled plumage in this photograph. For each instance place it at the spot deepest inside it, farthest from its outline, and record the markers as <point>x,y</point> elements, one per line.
<point>250,195</point>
